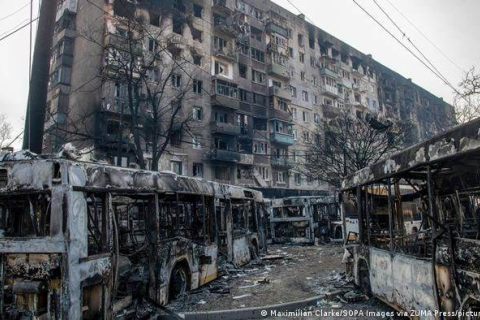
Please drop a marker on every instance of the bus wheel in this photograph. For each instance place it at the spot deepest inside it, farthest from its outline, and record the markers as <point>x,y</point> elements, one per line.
<point>178,283</point>
<point>364,276</point>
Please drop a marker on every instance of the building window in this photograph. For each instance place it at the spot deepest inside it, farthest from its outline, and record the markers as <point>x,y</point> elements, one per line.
<point>197,86</point>
<point>298,179</point>
<point>225,88</point>
<point>244,95</point>
<point>176,138</point>
<point>281,177</point>
<point>316,118</point>
<point>306,136</point>
<point>305,116</point>
<point>295,134</point>
<point>242,70</point>
<point>197,35</point>
<point>152,45</point>
<point>222,173</point>
<point>305,96</point>
<point>259,99</point>
<point>197,10</point>
<point>293,91</point>
<point>176,80</point>
<point>219,43</point>
<point>294,113</point>
<point>314,81</point>
<point>258,77</point>
<point>221,69</point>
<point>302,76</point>
<point>302,57</point>
<point>197,170</point>
<point>176,166</point>
<point>315,99</point>
<point>197,113</point>
<point>300,40</point>
<point>257,55</point>
<point>197,59</point>
<point>290,52</point>
<point>196,141</point>
<point>312,62</point>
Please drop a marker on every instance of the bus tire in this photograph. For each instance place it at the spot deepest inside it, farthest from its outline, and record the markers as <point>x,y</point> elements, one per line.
<point>178,282</point>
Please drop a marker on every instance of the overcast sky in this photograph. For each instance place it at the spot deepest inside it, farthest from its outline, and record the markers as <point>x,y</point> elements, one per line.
<point>452,25</point>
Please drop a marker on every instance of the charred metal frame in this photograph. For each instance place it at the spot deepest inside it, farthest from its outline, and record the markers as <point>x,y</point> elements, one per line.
<point>105,253</point>
<point>308,223</point>
<point>446,277</point>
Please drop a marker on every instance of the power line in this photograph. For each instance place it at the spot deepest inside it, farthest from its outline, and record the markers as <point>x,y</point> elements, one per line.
<point>425,36</point>
<point>16,11</point>
<point>20,28</point>
<point>416,48</point>
<point>403,45</point>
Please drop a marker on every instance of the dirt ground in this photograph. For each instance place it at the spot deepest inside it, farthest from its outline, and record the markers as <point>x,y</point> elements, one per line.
<point>300,272</point>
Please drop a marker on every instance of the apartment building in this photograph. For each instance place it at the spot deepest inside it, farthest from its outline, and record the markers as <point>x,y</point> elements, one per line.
<point>263,80</point>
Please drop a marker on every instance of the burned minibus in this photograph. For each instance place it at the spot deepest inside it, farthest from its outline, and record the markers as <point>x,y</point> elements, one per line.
<point>433,265</point>
<point>84,240</point>
<point>301,220</point>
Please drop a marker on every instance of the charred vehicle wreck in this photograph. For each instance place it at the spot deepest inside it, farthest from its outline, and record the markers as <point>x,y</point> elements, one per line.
<point>303,219</point>
<point>434,265</point>
<point>89,241</point>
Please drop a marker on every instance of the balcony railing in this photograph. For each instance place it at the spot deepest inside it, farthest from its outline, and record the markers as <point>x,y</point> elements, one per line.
<point>282,138</point>
<point>279,92</point>
<point>225,128</point>
<point>328,72</point>
<point>279,71</point>
<point>226,53</point>
<point>330,90</point>
<point>282,162</point>
<point>225,155</point>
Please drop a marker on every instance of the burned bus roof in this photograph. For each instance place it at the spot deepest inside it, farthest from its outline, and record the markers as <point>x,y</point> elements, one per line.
<point>449,146</point>
<point>41,173</point>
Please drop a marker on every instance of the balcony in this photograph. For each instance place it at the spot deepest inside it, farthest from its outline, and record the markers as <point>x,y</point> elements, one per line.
<point>282,162</point>
<point>281,138</point>
<point>328,72</point>
<point>225,53</point>
<point>280,114</point>
<point>225,155</point>
<point>279,71</point>
<point>230,30</point>
<point>246,159</point>
<point>221,7</point>
<point>224,101</point>
<point>330,91</point>
<point>122,43</point>
<point>176,43</point>
<point>330,111</point>
<point>281,93</point>
<point>225,128</point>
<point>273,28</point>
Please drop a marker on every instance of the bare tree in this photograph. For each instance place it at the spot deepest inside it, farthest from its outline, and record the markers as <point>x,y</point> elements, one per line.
<point>467,97</point>
<point>147,80</point>
<point>345,144</point>
<point>6,131</point>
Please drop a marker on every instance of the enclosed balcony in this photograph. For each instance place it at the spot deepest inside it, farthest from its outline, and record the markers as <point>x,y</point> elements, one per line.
<point>279,71</point>
<point>221,7</point>
<point>282,162</point>
<point>281,93</point>
<point>332,73</point>
<point>282,138</point>
<point>330,91</point>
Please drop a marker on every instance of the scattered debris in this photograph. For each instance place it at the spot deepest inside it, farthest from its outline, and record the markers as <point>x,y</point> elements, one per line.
<point>242,296</point>
<point>273,257</point>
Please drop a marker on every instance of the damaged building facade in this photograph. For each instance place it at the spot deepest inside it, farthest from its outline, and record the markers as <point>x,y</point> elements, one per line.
<point>88,241</point>
<point>434,266</point>
<point>263,78</point>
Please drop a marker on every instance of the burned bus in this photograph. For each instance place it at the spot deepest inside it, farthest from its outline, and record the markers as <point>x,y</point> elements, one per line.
<point>84,240</point>
<point>301,220</point>
<point>433,266</point>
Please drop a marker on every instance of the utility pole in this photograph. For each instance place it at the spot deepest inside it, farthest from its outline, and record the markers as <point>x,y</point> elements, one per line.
<point>40,72</point>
